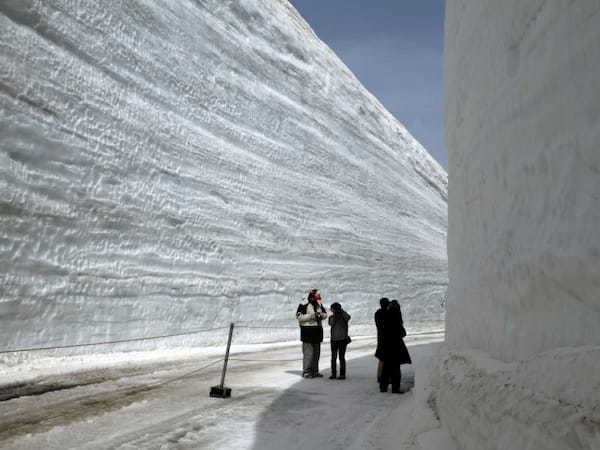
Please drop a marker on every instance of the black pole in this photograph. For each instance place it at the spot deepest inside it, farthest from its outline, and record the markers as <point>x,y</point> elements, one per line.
<point>221,391</point>
<point>226,355</point>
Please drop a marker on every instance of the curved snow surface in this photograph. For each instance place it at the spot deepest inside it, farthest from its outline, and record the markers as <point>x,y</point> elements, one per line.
<point>523,126</point>
<point>168,166</point>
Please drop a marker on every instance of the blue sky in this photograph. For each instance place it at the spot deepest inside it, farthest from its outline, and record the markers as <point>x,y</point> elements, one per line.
<point>395,49</point>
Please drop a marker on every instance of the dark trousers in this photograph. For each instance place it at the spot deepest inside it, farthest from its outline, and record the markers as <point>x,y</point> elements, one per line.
<point>390,373</point>
<point>379,370</point>
<point>338,346</point>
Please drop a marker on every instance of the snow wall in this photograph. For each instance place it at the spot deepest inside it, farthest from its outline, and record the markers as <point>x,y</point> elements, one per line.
<point>523,319</point>
<point>169,166</point>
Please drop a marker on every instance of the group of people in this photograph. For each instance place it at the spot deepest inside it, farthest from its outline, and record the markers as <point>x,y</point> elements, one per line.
<point>391,350</point>
<point>310,314</point>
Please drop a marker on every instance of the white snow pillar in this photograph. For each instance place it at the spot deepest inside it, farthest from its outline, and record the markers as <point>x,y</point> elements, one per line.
<point>523,132</point>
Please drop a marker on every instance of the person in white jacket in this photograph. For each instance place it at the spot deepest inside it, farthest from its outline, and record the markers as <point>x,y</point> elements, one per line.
<point>310,314</point>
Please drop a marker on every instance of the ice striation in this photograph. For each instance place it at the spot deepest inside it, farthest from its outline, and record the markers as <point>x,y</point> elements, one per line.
<point>169,166</point>
<point>523,126</point>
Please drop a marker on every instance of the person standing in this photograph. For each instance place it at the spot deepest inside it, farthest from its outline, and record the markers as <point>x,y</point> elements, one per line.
<point>338,322</point>
<point>310,314</point>
<point>395,352</point>
<point>379,314</point>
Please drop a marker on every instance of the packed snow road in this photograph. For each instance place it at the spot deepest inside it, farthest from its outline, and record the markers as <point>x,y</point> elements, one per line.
<point>167,405</point>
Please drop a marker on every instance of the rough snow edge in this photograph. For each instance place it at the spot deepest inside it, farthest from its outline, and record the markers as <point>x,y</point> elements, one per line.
<point>423,431</point>
<point>426,430</point>
<point>550,401</point>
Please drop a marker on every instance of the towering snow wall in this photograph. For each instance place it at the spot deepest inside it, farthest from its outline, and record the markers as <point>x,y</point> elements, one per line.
<point>523,127</point>
<point>168,166</point>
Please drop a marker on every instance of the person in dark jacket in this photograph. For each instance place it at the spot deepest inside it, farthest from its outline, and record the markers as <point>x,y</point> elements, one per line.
<point>310,314</point>
<point>338,321</point>
<point>395,352</point>
<point>383,302</point>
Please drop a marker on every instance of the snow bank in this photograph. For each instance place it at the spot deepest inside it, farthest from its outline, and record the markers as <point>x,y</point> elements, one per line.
<point>167,166</point>
<point>548,402</point>
<point>523,126</point>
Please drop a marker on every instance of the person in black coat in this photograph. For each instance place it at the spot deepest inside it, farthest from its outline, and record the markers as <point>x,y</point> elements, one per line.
<point>383,302</point>
<point>395,352</point>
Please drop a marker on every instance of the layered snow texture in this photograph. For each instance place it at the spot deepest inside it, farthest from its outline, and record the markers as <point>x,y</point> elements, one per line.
<point>523,126</point>
<point>168,166</point>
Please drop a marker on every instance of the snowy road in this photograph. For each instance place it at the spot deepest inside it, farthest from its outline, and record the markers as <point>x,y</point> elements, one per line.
<point>165,406</point>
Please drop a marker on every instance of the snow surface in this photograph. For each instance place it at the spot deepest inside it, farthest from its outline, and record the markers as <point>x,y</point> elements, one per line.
<point>165,406</point>
<point>169,166</point>
<point>523,125</point>
<point>550,401</point>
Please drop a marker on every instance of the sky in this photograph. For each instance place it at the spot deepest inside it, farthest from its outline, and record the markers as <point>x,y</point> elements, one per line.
<point>395,48</point>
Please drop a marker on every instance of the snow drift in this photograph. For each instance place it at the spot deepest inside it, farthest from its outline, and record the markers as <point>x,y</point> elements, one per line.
<point>523,126</point>
<point>167,166</point>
